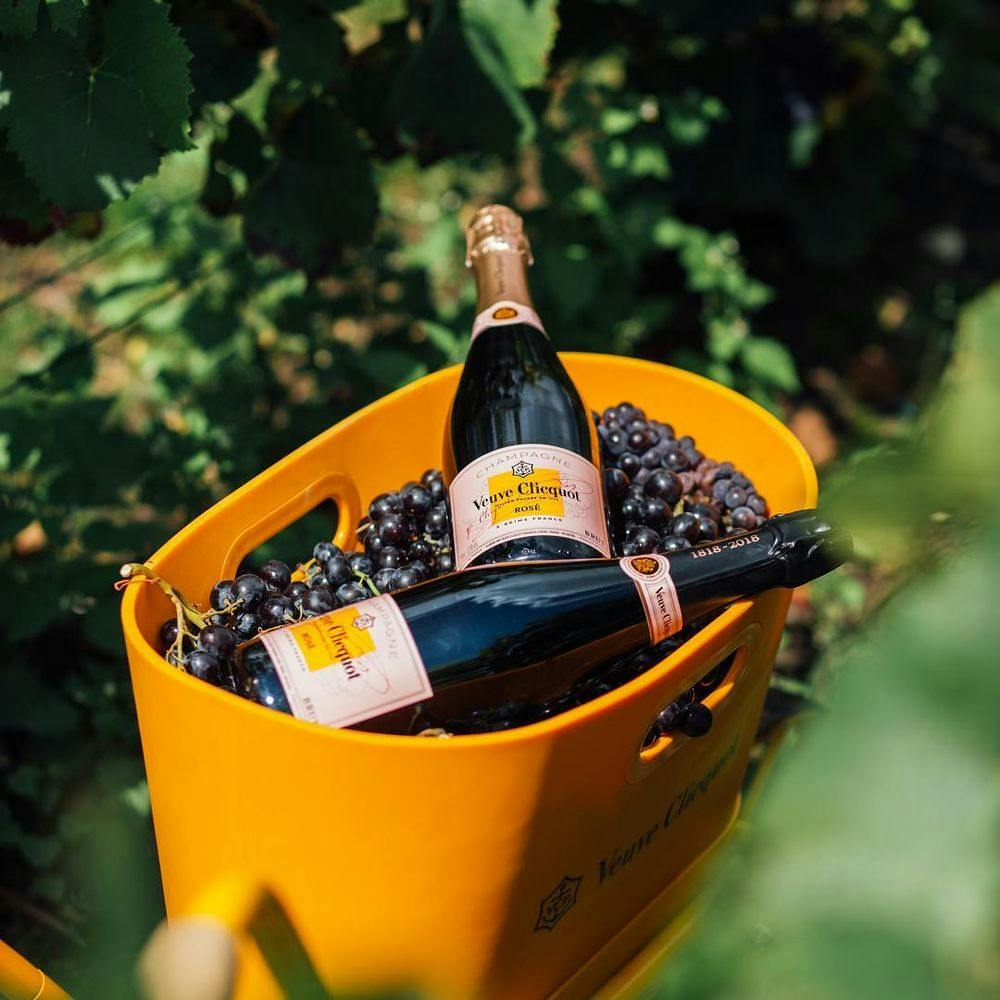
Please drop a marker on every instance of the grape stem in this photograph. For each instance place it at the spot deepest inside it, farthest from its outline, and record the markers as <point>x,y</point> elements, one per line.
<point>186,611</point>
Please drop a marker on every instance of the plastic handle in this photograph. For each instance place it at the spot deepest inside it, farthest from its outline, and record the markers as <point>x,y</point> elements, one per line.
<point>20,980</point>
<point>195,954</point>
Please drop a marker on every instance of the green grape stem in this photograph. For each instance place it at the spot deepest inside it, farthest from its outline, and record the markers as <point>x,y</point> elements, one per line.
<point>186,611</point>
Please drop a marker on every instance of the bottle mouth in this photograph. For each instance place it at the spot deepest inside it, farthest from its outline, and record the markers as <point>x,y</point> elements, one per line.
<point>810,546</point>
<point>496,229</point>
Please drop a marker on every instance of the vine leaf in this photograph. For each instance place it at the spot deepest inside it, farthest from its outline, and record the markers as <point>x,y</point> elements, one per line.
<point>310,42</point>
<point>318,196</point>
<point>455,93</point>
<point>88,133</point>
<point>524,32</point>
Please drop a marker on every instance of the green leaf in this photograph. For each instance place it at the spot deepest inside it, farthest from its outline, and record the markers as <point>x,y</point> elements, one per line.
<point>145,49</point>
<point>524,31</point>
<point>18,17</point>
<point>117,115</point>
<point>319,195</point>
<point>310,42</point>
<point>455,94</point>
<point>771,362</point>
<point>20,199</point>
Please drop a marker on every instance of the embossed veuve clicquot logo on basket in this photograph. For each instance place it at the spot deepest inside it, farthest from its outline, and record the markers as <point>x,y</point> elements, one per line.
<point>349,665</point>
<point>657,593</point>
<point>525,491</point>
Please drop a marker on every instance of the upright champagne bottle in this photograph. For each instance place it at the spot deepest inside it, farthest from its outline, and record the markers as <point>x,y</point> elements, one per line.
<point>474,640</point>
<point>520,445</point>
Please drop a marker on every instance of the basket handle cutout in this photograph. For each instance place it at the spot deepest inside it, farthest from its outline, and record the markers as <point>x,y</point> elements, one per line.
<point>332,488</point>
<point>655,747</point>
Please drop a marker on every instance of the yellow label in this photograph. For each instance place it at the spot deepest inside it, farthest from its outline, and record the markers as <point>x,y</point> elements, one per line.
<point>338,637</point>
<point>526,491</point>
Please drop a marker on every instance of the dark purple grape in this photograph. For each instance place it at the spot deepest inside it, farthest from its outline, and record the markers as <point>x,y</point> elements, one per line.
<point>431,475</point>
<point>276,575</point>
<point>222,595</point>
<point>630,549</point>
<point>420,550</point>
<point>695,719</point>
<point>361,564</point>
<point>168,632</point>
<point>249,590</point>
<point>318,601</point>
<point>437,523</point>
<point>390,558</point>
<point>743,518</point>
<point>373,544</point>
<point>277,610</point>
<point>383,580</point>
<point>685,526</point>
<point>416,501</point>
<point>394,529</point>
<point>419,567</point>
<point>246,625</point>
<point>615,485</point>
<point>708,527</point>
<point>610,414</point>
<point>675,459</point>
<point>645,540</point>
<point>654,512</point>
<point>641,440</point>
<point>720,488</point>
<point>404,577</point>
<point>664,432</point>
<point>296,591</point>
<point>686,441</point>
<point>632,509</point>
<point>636,490</point>
<point>650,458</point>
<point>757,504</point>
<point>694,457</point>
<point>204,665</point>
<point>673,543</point>
<point>339,571</point>
<point>438,491</point>
<point>669,717</point>
<point>642,476</point>
<point>351,593</point>
<point>218,640</point>
<point>325,551</point>
<point>615,441</point>
<point>735,497</point>
<point>445,562</point>
<point>665,485</point>
<point>724,471</point>
<point>741,481</point>
<point>629,464</point>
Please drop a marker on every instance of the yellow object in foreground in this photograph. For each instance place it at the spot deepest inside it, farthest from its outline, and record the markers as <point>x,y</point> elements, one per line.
<point>518,864</point>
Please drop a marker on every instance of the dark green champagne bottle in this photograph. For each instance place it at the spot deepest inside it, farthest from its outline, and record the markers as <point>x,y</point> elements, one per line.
<point>520,447</point>
<point>523,631</point>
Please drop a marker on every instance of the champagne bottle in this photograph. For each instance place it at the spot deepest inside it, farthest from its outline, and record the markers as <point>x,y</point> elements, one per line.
<point>521,446</point>
<point>523,630</point>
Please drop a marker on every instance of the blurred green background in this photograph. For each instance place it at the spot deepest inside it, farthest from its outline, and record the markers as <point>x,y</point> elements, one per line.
<point>226,225</point>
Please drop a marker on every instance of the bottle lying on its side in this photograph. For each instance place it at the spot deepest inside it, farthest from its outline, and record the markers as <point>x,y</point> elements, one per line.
<point>524,630</point>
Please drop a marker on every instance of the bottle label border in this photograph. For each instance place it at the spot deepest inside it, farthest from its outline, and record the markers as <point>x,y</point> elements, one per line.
<point>651,575</point>
<point>476,532</point>
<point>505,313</point>
<point>327,682</point>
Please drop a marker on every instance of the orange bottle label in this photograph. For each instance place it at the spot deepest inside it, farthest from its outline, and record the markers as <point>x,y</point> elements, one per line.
<point>349,665</point>
<point>657,593</point>
<point>526,490</point>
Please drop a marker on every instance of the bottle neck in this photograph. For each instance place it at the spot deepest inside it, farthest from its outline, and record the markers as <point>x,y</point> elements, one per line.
<point>501,276</point>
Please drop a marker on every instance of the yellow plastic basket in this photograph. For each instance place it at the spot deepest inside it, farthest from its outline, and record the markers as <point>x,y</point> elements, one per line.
<point>522,864</point>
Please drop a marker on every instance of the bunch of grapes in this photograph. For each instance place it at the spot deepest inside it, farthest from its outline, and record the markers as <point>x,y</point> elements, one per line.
<point>407,539</point>
<point>664,493</point>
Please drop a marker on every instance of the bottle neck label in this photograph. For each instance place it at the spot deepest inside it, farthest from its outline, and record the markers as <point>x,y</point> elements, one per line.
<point>523,491</point>
<point>353,664</point>
<point>657,592</point>
<point>505,313</point>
